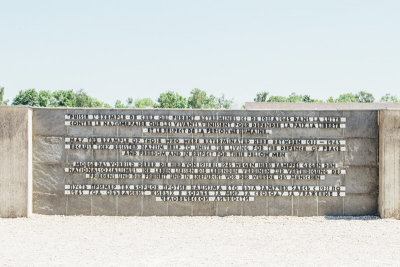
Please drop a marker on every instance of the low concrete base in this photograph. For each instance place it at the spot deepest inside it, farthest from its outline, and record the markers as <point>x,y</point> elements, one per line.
<point>15,162</point>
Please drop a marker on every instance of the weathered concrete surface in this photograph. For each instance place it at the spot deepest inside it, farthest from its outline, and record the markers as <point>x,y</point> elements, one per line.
<point>389,163</point>
<point>50,159</point>
<point>15,161</point>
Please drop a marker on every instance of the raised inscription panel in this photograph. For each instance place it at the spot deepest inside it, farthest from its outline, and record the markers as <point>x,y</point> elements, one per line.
<point>259,149</point>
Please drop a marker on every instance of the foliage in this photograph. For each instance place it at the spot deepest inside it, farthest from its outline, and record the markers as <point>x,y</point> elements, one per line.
<point>64,98</point>
<point>388,98</point>
<point>129,101</point>
<point>224,103</point>
<point>144,103</point>
<point>27,97</point>
<point>346,98</point>
<point>119,104</point>
<point>45,98</point>
<point>308,99</point>
<point>293,97</point>
<point>261,97</point>
<point>200,100</point>
<point>139,103</point>
<point>83,100</point>
<point>61,98</point>
<point>171,99</point>
<point>2,101</point>
<point>365,97</point>
<point>277,98</point>
<point>330,100</point>
<point>360,97</point>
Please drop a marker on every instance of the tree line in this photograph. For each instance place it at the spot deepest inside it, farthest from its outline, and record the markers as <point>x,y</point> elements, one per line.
<point>198,99</point>
<point>360,97</point>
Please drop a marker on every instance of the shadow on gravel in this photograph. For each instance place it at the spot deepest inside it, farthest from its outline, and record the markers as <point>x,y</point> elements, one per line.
<point>353,218</point>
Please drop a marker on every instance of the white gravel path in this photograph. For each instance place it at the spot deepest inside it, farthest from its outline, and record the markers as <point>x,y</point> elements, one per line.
<point>171,241</point>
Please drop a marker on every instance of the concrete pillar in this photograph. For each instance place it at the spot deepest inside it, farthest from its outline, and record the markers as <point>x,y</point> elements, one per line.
<point>15,162</point>
<point>389,163</point>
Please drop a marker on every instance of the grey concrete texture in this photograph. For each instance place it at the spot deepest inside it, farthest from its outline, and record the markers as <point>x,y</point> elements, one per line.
<point>361,151</point>
<point>49,122</point>
<point>48,149</point>
<point>360,205</point>
<point>389,167</point>
<point>359,161</point>
<point>15,162</point>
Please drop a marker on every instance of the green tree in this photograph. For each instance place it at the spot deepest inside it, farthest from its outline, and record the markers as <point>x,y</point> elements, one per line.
<point>330,100</point>
<point>295,98</point>
<point>45,98</point>
<point>261,97</point>
<point>365,97</point>
<point>2,101</point>
<point>212,103</point>
<point>347,98</point>
<point>129,103</point>
<point>144,103</point>
<point>171,99</point>
<point>119,104</point>
<point>307,99</point>
<point>83,100</point>
<point>360,97</point>
<point>224,103</point>
<point>1,95</point>
<point>277,98</point>
<point>199,100</point>
<point>60,98</point>
<point>388,98</point>
<point>64,98</point>
<point>29,97</point>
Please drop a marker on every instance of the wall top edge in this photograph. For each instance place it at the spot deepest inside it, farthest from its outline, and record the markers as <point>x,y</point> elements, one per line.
<point>247,109</point>
<point>216,110</point>
<point>16,107</point>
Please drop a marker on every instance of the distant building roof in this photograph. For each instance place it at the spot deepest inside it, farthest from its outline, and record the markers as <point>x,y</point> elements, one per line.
<point>320,106</point>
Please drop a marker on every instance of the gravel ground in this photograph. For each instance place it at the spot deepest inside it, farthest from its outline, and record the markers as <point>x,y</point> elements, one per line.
<point>58,240</point>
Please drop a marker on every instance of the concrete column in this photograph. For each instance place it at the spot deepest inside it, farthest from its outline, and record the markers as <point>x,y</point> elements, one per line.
<point>15,162</point>
<point>389,163</point>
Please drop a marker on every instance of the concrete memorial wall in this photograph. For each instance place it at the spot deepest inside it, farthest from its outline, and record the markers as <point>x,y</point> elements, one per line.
<point>205,162</point>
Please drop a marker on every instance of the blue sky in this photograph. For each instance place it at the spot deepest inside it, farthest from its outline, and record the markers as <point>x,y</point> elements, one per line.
<point>120,49</point>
